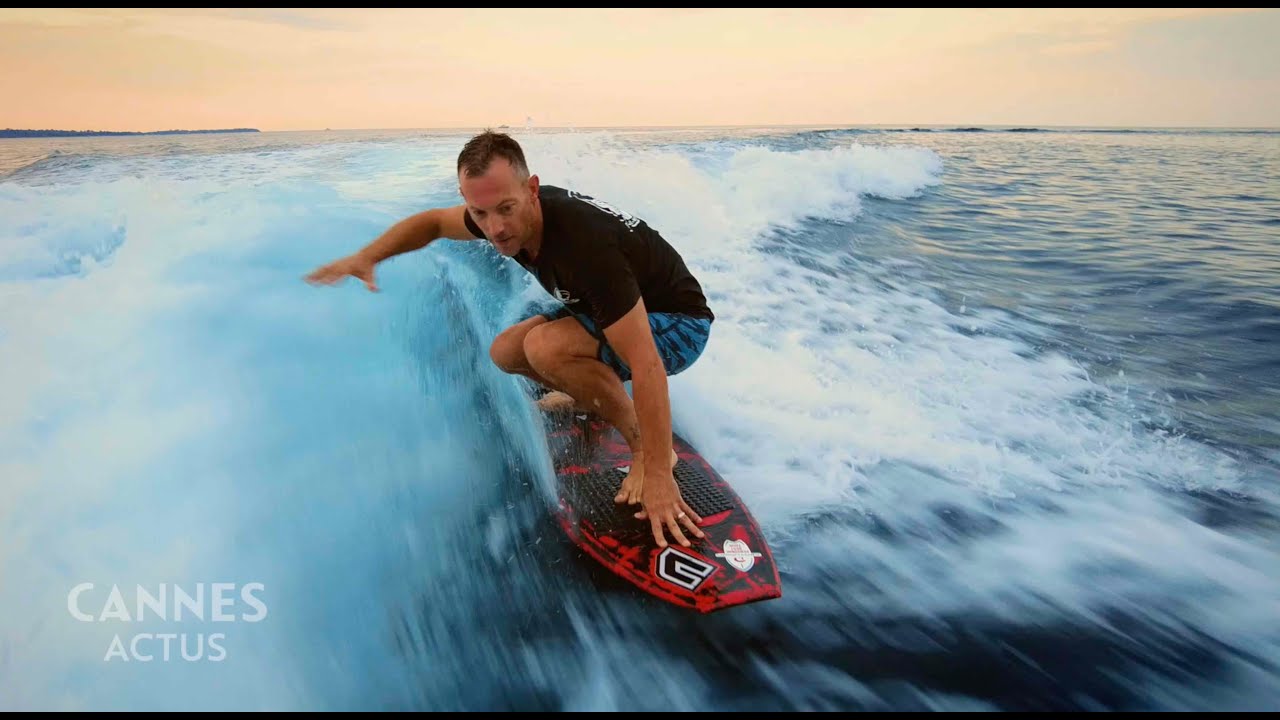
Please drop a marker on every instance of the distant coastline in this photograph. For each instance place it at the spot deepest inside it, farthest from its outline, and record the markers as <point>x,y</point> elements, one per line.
<point>11,133</point>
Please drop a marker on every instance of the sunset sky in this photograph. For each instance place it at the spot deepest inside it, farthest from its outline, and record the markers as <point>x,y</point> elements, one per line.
<point>315,69</point>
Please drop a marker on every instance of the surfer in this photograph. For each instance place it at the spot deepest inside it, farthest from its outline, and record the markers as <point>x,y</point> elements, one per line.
<point>630,308</point>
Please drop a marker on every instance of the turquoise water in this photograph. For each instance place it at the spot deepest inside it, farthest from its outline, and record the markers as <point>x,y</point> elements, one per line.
<point>1005,403</point>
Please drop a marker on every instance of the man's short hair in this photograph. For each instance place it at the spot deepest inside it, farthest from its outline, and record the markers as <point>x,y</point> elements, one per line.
<point>483,148</point>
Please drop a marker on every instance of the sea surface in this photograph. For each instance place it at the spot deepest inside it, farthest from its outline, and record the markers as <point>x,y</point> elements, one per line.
<point>1005,402</point>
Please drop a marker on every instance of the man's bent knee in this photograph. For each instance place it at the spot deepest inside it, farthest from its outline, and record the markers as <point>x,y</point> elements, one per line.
<point>507,350</point>
<point>504,353</point>
<point>547,347</point>
<point>539,349</point>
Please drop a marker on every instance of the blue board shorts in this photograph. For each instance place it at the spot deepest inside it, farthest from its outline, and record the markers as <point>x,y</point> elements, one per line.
<point>680,339</point>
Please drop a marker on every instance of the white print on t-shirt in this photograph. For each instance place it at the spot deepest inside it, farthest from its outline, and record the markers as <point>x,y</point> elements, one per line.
<point>627,218</point>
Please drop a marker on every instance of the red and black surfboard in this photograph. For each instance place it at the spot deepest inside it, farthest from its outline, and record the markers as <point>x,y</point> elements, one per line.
<point>731,566</point>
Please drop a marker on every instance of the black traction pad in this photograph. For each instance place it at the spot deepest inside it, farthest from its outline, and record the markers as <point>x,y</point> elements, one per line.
<point>591,495</point>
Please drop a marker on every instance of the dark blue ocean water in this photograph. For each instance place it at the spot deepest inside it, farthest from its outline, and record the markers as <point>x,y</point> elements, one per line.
<point>1006,403</point>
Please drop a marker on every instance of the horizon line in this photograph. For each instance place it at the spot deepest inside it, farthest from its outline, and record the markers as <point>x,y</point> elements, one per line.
<point>567,126</point>
<point>571,126</point>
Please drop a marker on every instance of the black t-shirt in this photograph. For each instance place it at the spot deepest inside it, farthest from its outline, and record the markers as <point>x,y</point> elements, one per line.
<point>599,260</point>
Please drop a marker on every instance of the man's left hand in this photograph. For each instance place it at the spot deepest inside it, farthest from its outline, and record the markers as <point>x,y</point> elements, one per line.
<point>663,506</point>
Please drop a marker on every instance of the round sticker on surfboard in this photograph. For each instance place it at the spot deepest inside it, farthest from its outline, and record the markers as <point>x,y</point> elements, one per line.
<point>738,554</point>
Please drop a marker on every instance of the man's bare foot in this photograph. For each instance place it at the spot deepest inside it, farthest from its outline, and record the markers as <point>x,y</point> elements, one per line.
<point>633,483</point>
<point>556,401</point>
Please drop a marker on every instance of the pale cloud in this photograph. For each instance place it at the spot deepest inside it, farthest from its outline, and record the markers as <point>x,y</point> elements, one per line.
<point>60,17</point>
<point>1078,47</point>
<point>296,19</point>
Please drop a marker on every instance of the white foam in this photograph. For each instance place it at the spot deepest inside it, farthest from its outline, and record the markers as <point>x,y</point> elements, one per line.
<point>851,389</point>
<point>800,411</point>
<point>188,411</point>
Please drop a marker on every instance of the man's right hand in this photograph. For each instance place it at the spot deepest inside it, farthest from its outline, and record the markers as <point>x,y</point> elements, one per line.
<point>357,266</point>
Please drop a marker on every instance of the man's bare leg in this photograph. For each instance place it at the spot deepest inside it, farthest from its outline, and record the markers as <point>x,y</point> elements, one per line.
<point>564,353</point>
<point>507,350</point>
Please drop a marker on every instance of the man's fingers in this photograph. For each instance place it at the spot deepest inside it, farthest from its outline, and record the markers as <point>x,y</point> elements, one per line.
<point>675,530</point>
<point>691,521</point>
<point>686,515</point>
<point>323,276</point>
<point>657,531</point>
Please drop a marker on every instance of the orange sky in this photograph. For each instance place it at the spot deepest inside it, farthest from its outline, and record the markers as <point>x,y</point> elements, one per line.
<point>312,69</point>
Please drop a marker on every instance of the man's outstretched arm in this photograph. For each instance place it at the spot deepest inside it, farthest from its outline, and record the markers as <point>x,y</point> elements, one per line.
<point>412,233</point>
<point>631,337</point>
